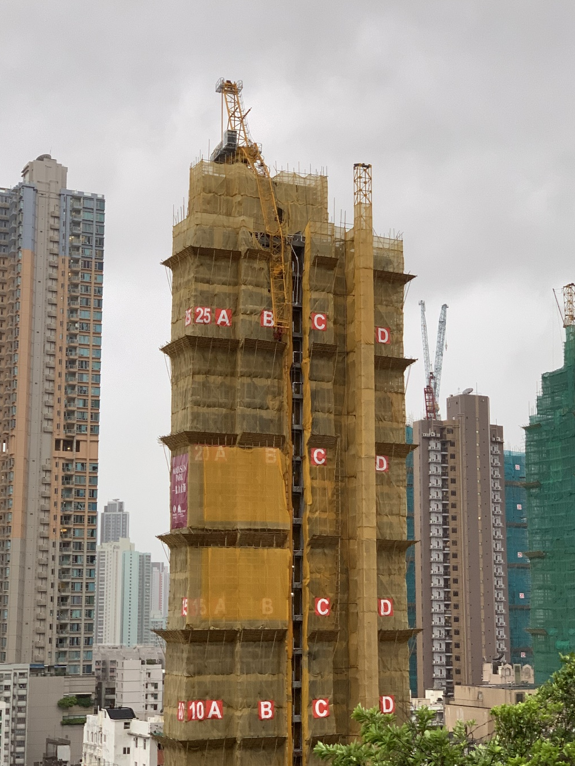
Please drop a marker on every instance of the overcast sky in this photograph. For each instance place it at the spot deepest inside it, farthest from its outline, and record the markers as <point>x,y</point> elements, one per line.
<point>465,110</point>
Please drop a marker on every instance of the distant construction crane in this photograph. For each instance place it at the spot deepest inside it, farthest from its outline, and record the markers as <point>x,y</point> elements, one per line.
<point>237,146</point>
<point>433,375</point>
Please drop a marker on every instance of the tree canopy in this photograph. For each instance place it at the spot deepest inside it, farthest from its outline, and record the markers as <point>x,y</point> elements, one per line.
<point>537,732</point>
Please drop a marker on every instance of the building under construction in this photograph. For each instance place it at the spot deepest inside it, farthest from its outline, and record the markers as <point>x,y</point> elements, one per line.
<point>550,473</point>
<point>288,506</point>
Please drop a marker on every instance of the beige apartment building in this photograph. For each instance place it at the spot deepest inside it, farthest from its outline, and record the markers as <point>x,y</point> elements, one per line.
<point>51,275</point>
<point>461,560</point>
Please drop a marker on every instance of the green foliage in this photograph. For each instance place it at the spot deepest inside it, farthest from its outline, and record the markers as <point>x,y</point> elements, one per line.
<point>537,732</point>
<point>384,742</point>
<point>70,701</point>
<point>67,702</point>
<point>85,701</point>
<point>74,720</point>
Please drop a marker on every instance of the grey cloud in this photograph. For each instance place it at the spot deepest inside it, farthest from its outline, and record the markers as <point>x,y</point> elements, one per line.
<point>465,109</point>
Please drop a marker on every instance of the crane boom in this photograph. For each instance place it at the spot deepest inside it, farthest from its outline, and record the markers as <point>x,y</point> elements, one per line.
<point>439,349</point>
<point>433,375</point>
<point>426,359</point>
<point>237,146</point>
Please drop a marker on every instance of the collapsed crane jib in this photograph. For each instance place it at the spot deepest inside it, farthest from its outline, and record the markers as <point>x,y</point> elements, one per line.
<point>249,151</point>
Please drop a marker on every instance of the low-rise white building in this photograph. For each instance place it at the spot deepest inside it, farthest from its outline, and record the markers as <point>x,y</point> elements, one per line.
<point>130,677</point>
<point>33,710</point>
<point>14,689</point>
<point>115,737</point>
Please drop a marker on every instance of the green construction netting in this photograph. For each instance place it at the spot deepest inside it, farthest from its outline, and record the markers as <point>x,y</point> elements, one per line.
<point>550,473</point>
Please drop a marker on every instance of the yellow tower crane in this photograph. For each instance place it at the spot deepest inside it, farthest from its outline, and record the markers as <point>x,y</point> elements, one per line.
<point>237,146</point>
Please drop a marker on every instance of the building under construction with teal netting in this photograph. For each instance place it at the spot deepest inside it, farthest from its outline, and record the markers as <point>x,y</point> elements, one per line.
<point>550,475</point>
<point>518,569</point>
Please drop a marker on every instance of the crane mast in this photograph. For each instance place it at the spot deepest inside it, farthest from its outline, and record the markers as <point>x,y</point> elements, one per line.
<point>433,374</point>
<point>238,146</point>
<point>439,348</point>
<point>426,359</point>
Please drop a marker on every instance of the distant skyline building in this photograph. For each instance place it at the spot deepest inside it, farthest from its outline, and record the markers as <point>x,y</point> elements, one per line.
<point>109,606</point>
<point>160,590</point>
<point>123,601</point>
<point>461,560</point>
<point>136,597</point>
<point>51,283</point>
<point>518,567</point>
<point>114,522</point>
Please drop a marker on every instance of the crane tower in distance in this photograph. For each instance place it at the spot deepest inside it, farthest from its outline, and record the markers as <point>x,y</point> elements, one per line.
<point>433,374</point>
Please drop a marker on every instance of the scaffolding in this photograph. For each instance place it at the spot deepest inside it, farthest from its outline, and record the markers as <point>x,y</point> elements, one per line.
<point>550,484</point>
<point>288,504</point>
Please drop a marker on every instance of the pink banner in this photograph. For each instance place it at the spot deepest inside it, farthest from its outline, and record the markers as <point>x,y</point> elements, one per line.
<point>179,492</point>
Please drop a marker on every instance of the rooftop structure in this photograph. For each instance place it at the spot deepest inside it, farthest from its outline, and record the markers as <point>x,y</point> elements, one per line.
<point>116,736</point>
<point>503,684</point>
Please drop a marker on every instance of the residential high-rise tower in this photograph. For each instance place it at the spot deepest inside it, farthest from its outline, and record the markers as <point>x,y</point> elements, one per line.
<point>461,561</point>
<point>114,522</point>
<point>123,594</point>
<point>160,589</point>
<point>51,275</point>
